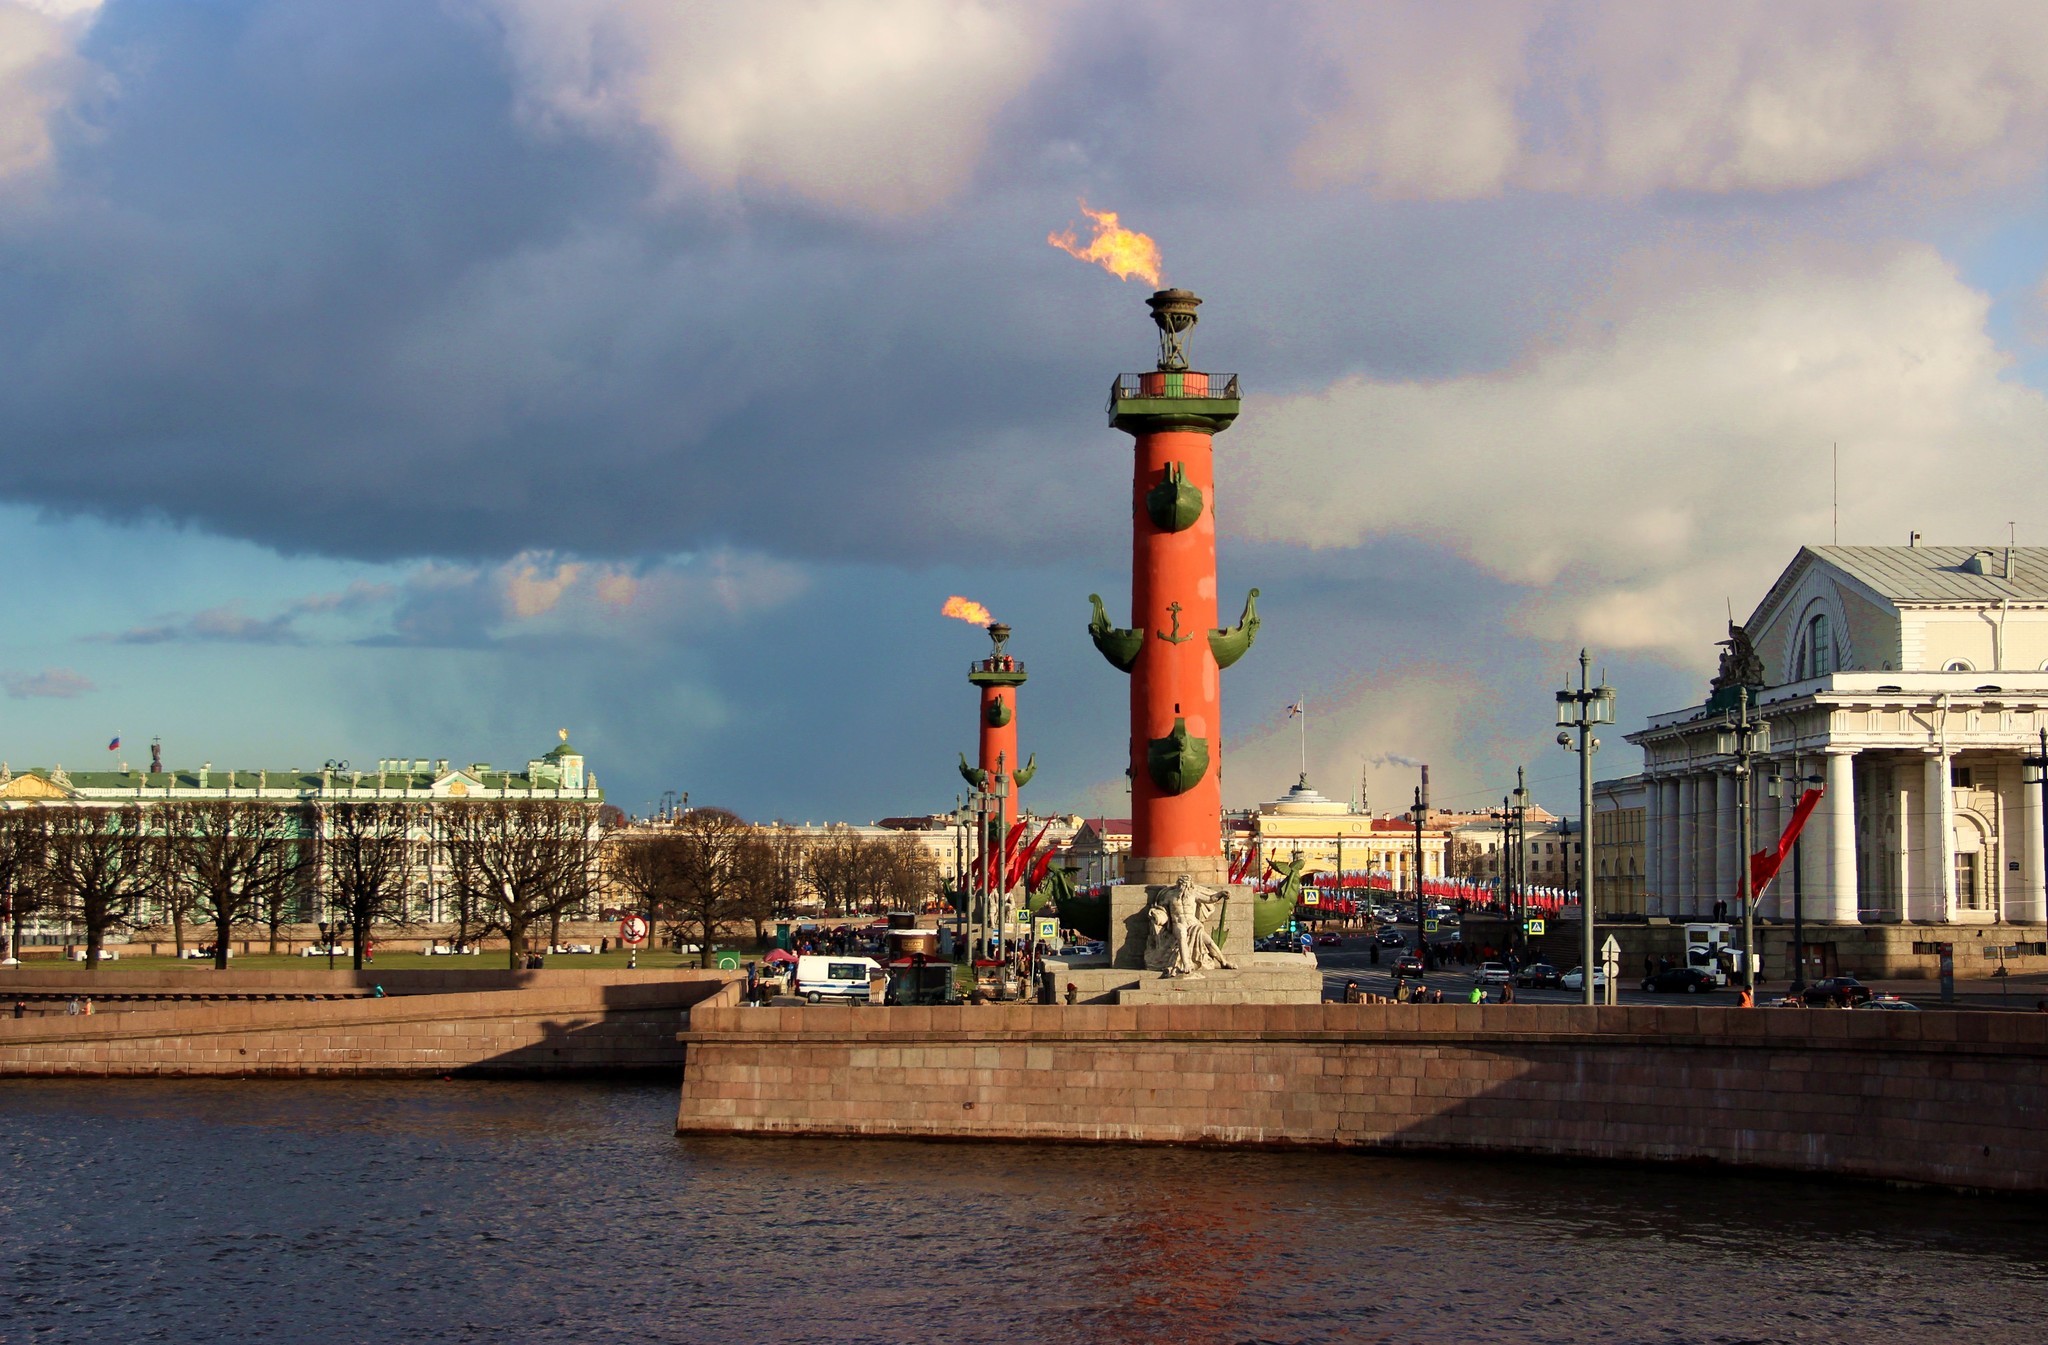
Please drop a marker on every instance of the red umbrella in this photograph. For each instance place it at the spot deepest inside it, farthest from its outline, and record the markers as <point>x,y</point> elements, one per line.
<point>780,955</point>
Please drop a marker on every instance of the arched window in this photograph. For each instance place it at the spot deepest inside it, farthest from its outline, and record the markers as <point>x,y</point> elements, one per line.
<point>1957,665</point>
<point>1820,647</point>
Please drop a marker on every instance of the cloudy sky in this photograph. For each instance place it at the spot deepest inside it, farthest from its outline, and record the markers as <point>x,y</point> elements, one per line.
<point>421,376</point>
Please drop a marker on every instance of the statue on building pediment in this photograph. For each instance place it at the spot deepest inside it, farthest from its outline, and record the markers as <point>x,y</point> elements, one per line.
<point>1180,942</point>
<point>59,778</point>
<point>1741,666</point>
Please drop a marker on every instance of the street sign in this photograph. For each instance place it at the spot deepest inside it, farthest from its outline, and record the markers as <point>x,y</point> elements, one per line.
<point>1610,957</point>
<point>1536,928</point>
<point>1049,930</point>
<point>1429,925</point>
<point>1311,897</point>
<point>633,931</point>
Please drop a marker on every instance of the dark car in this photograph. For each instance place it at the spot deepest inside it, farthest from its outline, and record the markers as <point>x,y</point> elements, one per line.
<point>1846,991</point>
<point>1537,974</point>
<point>1390,938</point>
<point>1689,980</point>
<point>1408,964</point>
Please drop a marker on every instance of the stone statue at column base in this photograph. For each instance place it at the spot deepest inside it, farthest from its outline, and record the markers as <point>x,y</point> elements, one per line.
<point>1180,943</point>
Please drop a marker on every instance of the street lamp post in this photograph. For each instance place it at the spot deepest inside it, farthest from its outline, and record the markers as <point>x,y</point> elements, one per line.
<point>1743,738</point>
<point>1778,783</point>
<point>1581,709</point>
<point>1420,812</point>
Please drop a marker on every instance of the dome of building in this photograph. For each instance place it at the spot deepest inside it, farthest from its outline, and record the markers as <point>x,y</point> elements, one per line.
<point>1301,801</point>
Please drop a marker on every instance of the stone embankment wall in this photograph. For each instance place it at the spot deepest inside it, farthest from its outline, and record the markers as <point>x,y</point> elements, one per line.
<point>202,979</point>
<point>1958,1099</point>
<point>559,1023</point>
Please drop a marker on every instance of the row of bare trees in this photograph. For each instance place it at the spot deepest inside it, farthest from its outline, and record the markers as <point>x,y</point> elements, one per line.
<point>226,865</point>
<point>708,871</point>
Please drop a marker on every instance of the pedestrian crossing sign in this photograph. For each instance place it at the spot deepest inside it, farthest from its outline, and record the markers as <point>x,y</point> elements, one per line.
<point>1311,897</point>
<point>1431,925</point>
<point>1535,928</point>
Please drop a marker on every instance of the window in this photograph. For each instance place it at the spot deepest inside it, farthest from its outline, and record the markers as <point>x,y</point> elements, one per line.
<point>1820,646</point>
<point>1959,777</point>
<point>1968,895</point>
<point>1957,665</point>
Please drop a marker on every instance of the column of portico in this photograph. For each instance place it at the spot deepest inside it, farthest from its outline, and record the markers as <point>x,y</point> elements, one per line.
<point>1841,805</point>
<point>1908,868</point>
<point>1653,846</point>
<point>1669,822</point>
<point>1768,822</point>
<point>1688,884</point>
<point>1724,846</point>
<point>1938,840</point>
<point>2032,905</point>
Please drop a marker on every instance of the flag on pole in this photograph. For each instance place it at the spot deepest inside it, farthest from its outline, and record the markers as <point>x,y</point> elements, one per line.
<point>115,745</point>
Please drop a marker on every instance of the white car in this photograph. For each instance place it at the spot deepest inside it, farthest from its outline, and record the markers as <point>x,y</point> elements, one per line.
<point>1492,973</point>
<point>1575,979</point>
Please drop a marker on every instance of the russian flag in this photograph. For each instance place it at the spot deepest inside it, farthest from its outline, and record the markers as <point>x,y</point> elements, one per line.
<point>115,745</point>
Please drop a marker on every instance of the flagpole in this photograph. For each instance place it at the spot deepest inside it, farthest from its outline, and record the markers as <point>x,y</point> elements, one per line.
<point>1304,737</point>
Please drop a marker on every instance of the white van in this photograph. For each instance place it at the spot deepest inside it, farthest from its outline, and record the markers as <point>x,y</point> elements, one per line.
<point>821,977</point>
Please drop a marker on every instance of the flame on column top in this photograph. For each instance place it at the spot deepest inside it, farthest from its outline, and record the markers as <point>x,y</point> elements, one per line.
<point>1120,251</point>
<point>965,609</point>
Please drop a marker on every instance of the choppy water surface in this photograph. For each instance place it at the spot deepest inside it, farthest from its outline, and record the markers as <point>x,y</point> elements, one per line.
<point>228,1212</point>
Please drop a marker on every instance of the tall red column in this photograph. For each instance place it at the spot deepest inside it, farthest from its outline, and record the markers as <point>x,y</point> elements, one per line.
<point>1174,651</point>
<point>999,675</point>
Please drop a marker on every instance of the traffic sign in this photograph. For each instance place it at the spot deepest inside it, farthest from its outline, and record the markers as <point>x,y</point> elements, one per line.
<point>1536,928</point>
<point>1048,930</point>
<point>633,930</point>
<point>1610,957</point>
<point>1430,925</point>
<point>1311,897</point>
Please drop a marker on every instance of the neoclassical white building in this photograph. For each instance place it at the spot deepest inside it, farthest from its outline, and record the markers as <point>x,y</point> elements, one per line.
<point>1908,682</point>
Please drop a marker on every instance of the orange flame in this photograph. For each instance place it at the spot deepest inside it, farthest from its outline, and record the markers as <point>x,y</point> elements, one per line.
<point>964,610</point>
<point>1114,248</point>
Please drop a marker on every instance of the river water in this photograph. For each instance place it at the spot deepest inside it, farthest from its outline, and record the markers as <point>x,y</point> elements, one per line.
<point>462,1211</point>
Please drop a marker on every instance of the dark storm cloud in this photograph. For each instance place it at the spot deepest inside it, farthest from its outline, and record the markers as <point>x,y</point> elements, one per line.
<point>312,283</point>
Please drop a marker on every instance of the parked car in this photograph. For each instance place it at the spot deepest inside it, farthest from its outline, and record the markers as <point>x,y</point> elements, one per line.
<point>1687,980</point>
<point>1845,991</point>
<point>1575,979</point>
<point>1329,941</point>
<point>1491,973</point>
<point>1880,1001</point>
<point>1408,964</point>
<point>1535,974</point>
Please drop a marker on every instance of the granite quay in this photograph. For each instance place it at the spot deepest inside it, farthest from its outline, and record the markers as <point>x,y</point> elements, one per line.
<point>1951,1099</point>
<point>282,1024</point>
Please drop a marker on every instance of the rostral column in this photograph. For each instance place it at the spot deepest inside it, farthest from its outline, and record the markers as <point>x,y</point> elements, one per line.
<point>1175,650</point>
<point>998,676</point>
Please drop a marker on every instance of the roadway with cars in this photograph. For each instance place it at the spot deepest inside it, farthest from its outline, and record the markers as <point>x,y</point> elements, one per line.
<point>1352,961</point>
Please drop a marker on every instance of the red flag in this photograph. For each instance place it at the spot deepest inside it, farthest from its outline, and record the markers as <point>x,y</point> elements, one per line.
<point>1021,859</point>
<point>1764,864</point>
<point>1040,869</point>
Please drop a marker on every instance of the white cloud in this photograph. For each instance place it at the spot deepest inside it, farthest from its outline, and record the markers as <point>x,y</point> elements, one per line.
<point>1737,96</point>
<point>1670,450</point>
<point>872,107</point>
<point>39,73</point>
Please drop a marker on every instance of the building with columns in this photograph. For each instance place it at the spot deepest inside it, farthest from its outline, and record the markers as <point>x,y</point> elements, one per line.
<point>1907,683</point>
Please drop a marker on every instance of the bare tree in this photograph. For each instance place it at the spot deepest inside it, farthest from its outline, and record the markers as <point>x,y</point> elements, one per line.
<point>366,867</point>
<point>241,861</point>
<point>22,891</point>
<point>519,862</point>
<point>96,862</point>
<point>707,846</point>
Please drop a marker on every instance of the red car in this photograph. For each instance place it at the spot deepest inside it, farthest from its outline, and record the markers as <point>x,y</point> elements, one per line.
<point>1328,941</point>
